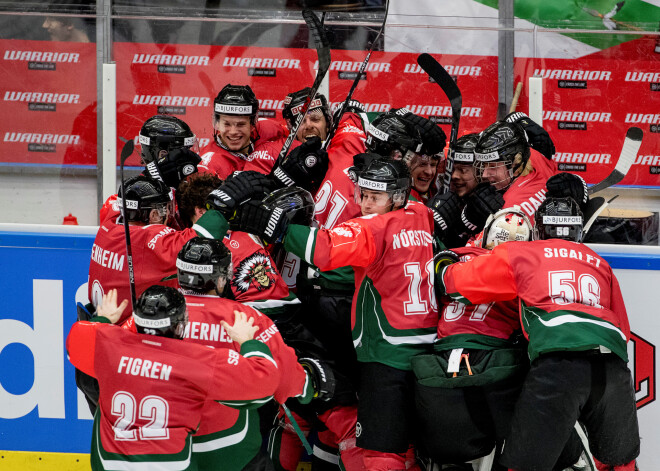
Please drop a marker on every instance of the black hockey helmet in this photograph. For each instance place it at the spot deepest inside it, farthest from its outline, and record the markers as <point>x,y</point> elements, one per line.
<point>164,133</point>
<point>201,262</point>
<point>293,104</point>
<point>388,175</point>
<point>559,218</point>
<point>389,136</point>
<point>236,100</point>
<point>161,311</point>
<point>500,143</point>
<point>142,195</point>
<point>298,204</point>
<point>463,149</point>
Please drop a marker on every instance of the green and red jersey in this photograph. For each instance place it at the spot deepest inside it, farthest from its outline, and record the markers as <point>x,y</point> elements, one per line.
<point>394,313</point>
<point>569,296</point>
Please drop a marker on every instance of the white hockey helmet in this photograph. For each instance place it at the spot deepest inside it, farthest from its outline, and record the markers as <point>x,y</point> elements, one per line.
<point>508,224</point>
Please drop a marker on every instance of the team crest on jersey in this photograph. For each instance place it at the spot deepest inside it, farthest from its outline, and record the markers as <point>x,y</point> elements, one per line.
<point>255,271</point>
<point>641,354</point>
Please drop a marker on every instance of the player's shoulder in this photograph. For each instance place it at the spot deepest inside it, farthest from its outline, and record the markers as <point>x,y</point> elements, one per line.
<point>269,129</point>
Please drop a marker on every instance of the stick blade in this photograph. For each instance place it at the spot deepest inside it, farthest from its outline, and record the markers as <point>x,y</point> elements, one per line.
<point>320,39</point>
<point>631,145</point>
<point>127,151</point>
<point>438,73</point>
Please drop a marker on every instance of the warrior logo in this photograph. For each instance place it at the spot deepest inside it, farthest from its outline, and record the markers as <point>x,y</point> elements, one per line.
<point>255,271</point>
<point>642,362</point>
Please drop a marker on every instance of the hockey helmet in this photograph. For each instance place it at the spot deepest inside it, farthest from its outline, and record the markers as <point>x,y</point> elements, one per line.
<point>502,144</point>
<point>201,262</point>
<point>388,135</point>
<point>160,134</point>
<point>559,218</point>
<point>236,100</point>
<point>161,311</point>
<point>508,224</point>
<point>293,104</point>
<point>388,175</point>
<point>142,195</point>
<point>463,149</point>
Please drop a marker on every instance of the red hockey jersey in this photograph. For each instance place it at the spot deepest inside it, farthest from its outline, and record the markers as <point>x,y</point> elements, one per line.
<point>569,297</point>
<point>394,313</point>
<point>528,192</point>
<point>152,390</point>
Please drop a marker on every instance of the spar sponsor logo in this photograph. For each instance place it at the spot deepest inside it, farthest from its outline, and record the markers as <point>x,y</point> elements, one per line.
<point>170,64</point>
<point>453,70</point>
<point>171,104</point>
<point>41,101</point>
<point>38,142</point>
<point>641,354</point>
<point>576,120</point>
<point>41,60</point>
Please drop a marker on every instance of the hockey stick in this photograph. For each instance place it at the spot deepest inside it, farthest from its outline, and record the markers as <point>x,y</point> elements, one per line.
<point>631,145</point>
<point>323,52</point>
<point>126,152</point>
<point>363,67</point>
<point>438,73</point>
<point>516,97</point>
<point>600,204</point>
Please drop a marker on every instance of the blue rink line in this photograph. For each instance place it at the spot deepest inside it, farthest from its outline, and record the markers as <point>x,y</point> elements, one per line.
<point>632,261</point>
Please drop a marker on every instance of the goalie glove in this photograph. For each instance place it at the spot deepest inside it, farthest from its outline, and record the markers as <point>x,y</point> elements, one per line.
<point>442,259</point>
<point>433,137</point>
<point>481,203</point>
<point>568,185</point>
<point>537,137</point>
<point>446,209</point>
<point>270,224</point>
<point>172,168</point>
<point>322,376</point>
<point>305,166</point>
<point>237,190</point>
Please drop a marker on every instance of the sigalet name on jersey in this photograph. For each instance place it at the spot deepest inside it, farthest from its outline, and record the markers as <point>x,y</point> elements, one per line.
<point>553,252</point>
<point>407,238</point>
<point>261,62</point>
<point>147,368</point>
<point>453,70</point>
<point>41,56</point>
<point>567,74</point>
<point>166,100</point>
<point>166,59</point>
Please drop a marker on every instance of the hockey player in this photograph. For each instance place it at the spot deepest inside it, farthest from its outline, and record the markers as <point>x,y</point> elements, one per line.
<point>466,391</point>
<point>153,386</point>
<point>240,141</point>
<point>394,315</point>
<point>574,318</point>
<point>154,245</point>
<point>318,119</point>
<point>204,270</point>
<point>463,178</point>
<point>161,134</point>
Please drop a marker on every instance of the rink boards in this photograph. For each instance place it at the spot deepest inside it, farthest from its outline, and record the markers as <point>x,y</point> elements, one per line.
<point>43,274</point>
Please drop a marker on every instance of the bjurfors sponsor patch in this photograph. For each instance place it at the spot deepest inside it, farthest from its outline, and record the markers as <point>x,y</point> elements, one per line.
<point>487,157</point>
<point>193,267</point>
<point>562,220</point>
<point>372,185</point>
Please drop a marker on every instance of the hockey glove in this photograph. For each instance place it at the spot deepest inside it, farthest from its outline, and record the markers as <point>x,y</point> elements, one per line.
<point>446,209</point>
<point>237,190</point>
<point>537,137</point>
<point>481,203</point>
<point>305,166</point>
<point>433,137</point>
<point>270,224</point>
<point>174,166</point>
<point>441,260</point>
<point>323,379</point>
<point>568,185</point>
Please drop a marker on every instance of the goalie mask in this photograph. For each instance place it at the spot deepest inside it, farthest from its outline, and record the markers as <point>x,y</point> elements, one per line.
<point>389,136</point>
<point>161,311</point>
<point>501,154</point>
<point>385,175</point>
<point>559,218</point>
<point>201,262</point>
<point>293,104</point>
<point>160,134</point>
<point>144,194</point>
<point>506,225</point>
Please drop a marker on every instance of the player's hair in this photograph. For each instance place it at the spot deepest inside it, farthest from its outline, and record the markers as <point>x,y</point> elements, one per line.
<point>192,194</point>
